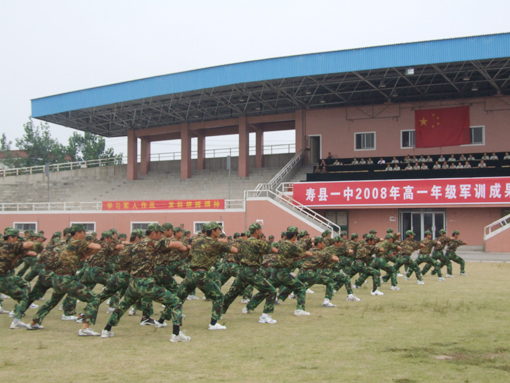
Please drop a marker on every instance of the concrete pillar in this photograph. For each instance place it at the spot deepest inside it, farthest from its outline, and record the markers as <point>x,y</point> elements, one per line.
<point>132,156</point>
<point>185,151</point>
<point>300,131</point>
<point>244,149</point>
<point>201,151</point>
<point>259,147</point>
<point>146,156</point>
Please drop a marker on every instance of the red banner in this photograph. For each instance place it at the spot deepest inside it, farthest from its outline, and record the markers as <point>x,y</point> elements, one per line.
<point>442,127</point>
<point>192,204</point>
<point>441,191</point>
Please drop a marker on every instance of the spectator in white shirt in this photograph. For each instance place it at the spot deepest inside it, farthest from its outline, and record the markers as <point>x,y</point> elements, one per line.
<point>467,165</point>
<point>445,166</point>
<point>485,157</point>
<point>396,168</point>
<point>482,164</point>
<point>462,158</point>
<point>370,162</point>
<point>422,159</point>
<point>416,166</point>
<point>436,166</point>
<point>507,156</point>
<point>429,159</point>
<point>415,160</point>
<point>424,167</point>
<point>354,161</point>
<point>336,163</point>
<point>471,158</point>
<point>441,158</point>
<point>388,168</point>
<point>407,159</point>
<point>452,158</point>
<point>381,161</point>
<point>408,167</point>
<point>460,166</point>
<point>362,162</point>
<point>394,160</point>
<point>494,157</point>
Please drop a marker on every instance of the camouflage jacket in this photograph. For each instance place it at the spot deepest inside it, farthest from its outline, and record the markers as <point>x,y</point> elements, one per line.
<point>99,259</point>
<point>364,252</point>
<point>305,243</point>
<point>329,241</point>
<point>288,252</point>
<point>429,244</point>
<point>205,251</point>
<point>319,260</point>
<point>443,241</point>
<point>387,249</point>
<point>185,255</point>
<point>166,255</point>
<point>144,258</point>
<point>49,256</point>
<point>409,246</point>
<point>351,245</point>
<point>252,250</point>
<point>234,257</point>
<point>9,253</point>
<point>454,245</point>
<point>268,260</point>
<point>124,261</point>
<point>68,261</point>
<point>38,247</point>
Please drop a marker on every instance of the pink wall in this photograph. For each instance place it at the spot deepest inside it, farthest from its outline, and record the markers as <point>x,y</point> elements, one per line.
<point>500,243</point>
<point>363,220</point>
<point>337,127</point>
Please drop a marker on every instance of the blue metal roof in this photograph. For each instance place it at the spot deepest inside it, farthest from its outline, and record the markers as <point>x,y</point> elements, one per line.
<point>398,55</point>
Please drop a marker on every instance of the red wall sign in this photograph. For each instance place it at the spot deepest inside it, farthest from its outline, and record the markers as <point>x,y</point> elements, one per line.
<point>441,191</point>
<point>165,205</point>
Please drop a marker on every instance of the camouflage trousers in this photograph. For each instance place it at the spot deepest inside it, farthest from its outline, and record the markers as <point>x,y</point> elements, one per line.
<point>140,288</point>
<point>413,267</point>
<point>283,278</point>
<point>34,271</point>
<point>358,266</point>
<point>27,263</point>
<point>441,258</point>
<point>455,258</point>
<point>310,278</point>
<point>340,279</point>
<point>250,276</point>
<point>424,258</point>
<point>164,278</point>
<point>66,284</point>
<point>94,275</point>
<point>43,284</point>
<point>229,270</point>
<point>205,282</point>
<point>180,269</point>
<point>17,289</point>
<point>381,264</point>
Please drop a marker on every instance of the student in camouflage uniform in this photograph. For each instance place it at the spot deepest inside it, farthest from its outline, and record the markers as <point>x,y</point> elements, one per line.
<point>453,245</point>
<point>380,262</point>
<point>204,254</point>
<point>11,251</point>
<point>29,262</point>
<point>251,253</point>
<point>409,245</point>
<point>167,256</point>
<point>64,282</point>
<point>143,285</point>
<point>326,234</point>
<point>362,261</point>
<point>424,255</point>
<point>439,255</point>
<point>55,238</point>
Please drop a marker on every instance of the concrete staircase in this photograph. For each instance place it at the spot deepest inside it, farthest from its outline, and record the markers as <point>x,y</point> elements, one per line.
<point>300,175</point>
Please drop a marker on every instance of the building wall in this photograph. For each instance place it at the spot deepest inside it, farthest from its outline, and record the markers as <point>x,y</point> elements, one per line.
<point>500,243</point>
<point>337,127</point>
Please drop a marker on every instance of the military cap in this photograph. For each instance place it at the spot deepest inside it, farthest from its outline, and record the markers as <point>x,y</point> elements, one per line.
<point>186,232</point>
<point>247,233</point>
<point>318,239</point>
<point>326,232</point>
<point>303,233</point>
<point>343,233</point>
<point>455,232</point>
<point>89,238</point>
<point>390,230</point>
<point>114,231</point>
<point>354,235</point>
<point>428,232</point>
<point>409,232</point>
<point>254,227</point>
<point>442,231</point>
<point>155,227</point>
<point>292,229</point>
<point>271,236</point>
<point>206,227</point>
<point>223,235</point>
<point>337,239</point>
<point>66,231</point>
<point>56,234</point>
<point>243,234</point>
<point>389,236</point>
<point>229,238</point>
<point>27,231</point>
<point>364,235</point>
<point>370,236</point>
<point>284,233</point>
<point>275,244</point>
<point>236,235</point>
<point>167,226</point>
<point>141,233</point>
<point>93,233</point>
<point>122,235</point>
<point>372,231</point>
<point>41,232</point>
<point>77,228</point>
<point>106,234</point>
<point>178,229</point>
<point>10,232</point>
<point>214,225</point>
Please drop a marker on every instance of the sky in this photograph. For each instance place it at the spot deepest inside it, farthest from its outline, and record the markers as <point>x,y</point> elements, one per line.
<point>56,46</point>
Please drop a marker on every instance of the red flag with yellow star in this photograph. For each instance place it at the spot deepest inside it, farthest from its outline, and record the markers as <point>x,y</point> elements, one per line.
<point>442,127</point>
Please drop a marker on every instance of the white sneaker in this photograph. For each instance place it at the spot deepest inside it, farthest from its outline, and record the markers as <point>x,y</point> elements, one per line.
<point>205,299</point>
<point>191,298</point>
<point>160,325</point>
<point>421,282</point>
<point>449,276</point>
<point>79,320</point>
<point>132,311</point>
<point>395,288</point>
<point>16,323</point>
<point>399,275</point>
<point>246,310</point>
<point>328,304</point>
<point>440,279</point>
<point>108,303</point>
<point>266,319</point>
<point>68,317</point>
<point>463,275</point>
<point>5,296</point>
<point>32,306</point>
<point>292,296</point>
<point>308,291</point>
<point>163,306</point>
<point>334,291</point>
<point>11,314</point>
<point>245,301</point>
<point>88,332</point>
<point>107,334</point>
<point>35,326</point>
<point>217,326</point>
<point>109,310</point>
<point>355,287</point>
<point>61,307</point>
<point>2,311</point>
<point>406,278</point>
<point>352,298</point>
<point>179,338</point>
<point>376,292</point>
<point>300,313</point>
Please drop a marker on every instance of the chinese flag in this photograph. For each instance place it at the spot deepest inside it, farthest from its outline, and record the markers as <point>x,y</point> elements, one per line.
<point>442,127</point>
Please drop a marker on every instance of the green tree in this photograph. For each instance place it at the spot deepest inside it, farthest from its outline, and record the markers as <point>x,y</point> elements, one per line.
<point>90,147</point>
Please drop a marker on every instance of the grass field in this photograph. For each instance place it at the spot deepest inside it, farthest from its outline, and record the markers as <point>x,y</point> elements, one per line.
<point>452,331</point>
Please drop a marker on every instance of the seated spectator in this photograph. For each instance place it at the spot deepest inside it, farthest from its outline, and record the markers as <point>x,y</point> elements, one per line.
<point>422,159</point>
<point>336,163</point>
<point>507,156</point>
<point>370,162</point>
<point>460,166</point>
<point>416,166</point>
<point>394,160</point>
<point>441,158</point>
<point>429,159</point>
<point>467,165</point>
<point>362,162</point>
<point>323,163</point>
<point>415,159</point>
<point>354,161</point>
<point>452,158</point>
<point>330,156</point>
<point>396,167</point>
<point>485,157</point>
<point>494,157</point>
<point>436,166</point>
<point>424,167</point>
<point>388,168</point>
<point>462,158</point>
<point>324,170</point>
<point>317,169</point>
<point>482,164</point>
<point>407,159</point>
<point>471,158</point>
<point>408,167</point>
<point>381,161</point>
<point>445,165</point>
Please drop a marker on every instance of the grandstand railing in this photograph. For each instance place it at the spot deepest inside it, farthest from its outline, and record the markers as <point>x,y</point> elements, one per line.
<point>275,181</point>
<point>496,227</point>
<point>209,153</point>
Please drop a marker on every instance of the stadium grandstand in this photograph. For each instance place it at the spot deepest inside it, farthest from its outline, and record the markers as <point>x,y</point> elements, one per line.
<point>430,100</point>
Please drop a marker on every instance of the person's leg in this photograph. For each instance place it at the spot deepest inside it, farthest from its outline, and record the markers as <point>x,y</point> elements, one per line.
<point>235,290</point>
<point>18,292</point>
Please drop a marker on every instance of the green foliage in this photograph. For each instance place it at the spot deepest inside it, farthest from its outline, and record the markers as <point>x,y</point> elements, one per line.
<point>89,147</point>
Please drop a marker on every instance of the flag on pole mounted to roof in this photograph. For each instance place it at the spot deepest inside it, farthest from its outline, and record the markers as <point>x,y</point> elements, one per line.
<point>442,127</point>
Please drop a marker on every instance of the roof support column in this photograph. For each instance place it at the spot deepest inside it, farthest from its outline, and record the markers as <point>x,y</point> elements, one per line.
<point>132,156</point>
<point>146,156</point>
<point>300,124</point>
<point>244,150</point>
<point>201,151</point>
<point>185,151</point>
<point>259,147</point>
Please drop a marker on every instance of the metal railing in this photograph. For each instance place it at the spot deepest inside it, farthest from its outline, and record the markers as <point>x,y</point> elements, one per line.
<point>60,167</point>
<point>275,181</point>
<point>496,227</point>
